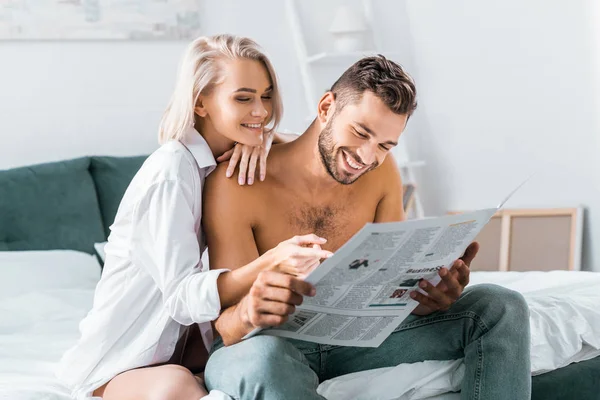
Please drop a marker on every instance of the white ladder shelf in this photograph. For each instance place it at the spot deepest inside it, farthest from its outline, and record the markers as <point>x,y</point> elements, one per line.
<point>306,64</point>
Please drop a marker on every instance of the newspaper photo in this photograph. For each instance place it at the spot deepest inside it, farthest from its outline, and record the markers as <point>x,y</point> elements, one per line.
<point>363,290</point>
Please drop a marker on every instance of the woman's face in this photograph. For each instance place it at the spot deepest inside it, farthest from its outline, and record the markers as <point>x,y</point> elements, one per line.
<point>239,107</point>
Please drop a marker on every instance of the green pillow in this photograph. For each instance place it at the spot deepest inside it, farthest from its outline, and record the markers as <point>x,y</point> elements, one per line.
<point>49,206</point>
<point>112,176</point>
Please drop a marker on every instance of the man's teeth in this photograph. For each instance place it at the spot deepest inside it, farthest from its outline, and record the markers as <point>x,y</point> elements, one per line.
<point>254,126</point>
<point>352,163</point>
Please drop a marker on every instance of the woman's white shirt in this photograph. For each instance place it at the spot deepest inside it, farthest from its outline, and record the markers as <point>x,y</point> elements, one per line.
<point>153,280</point>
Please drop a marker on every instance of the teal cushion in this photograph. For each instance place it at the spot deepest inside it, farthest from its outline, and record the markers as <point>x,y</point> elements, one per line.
<point>49,206</point>
<point>575,381</point>
<point>112,176</point>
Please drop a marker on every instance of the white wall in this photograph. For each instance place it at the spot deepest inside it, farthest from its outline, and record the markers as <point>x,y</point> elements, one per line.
<point>66,99</point>
<point>507,88</point>
<point>504,88</point>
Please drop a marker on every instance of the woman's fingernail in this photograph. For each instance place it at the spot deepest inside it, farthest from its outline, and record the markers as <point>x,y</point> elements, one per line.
<point>262,177</point>
<point>250,181</point>
<point>228,174</point>
<point>241,181</point>
<point>413,295</point>
<point>323,240</point>
<point>423,284</point>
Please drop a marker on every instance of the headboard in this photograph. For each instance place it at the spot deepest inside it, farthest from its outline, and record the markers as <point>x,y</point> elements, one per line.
<point>62,205</point>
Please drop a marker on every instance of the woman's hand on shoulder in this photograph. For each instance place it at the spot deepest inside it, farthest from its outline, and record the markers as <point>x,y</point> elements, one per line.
<point>249,157</point>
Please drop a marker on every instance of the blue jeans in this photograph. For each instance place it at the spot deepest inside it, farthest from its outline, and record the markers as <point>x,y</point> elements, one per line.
<point>488,326</point>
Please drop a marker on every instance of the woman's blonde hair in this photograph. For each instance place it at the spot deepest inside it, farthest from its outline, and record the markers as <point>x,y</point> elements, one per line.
<point>200,71</point>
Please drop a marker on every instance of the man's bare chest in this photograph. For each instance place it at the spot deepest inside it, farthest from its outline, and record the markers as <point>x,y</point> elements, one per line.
<point>337,219</point>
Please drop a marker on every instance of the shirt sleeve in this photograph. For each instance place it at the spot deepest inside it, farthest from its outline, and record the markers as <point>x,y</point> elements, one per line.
<point>165,243</point>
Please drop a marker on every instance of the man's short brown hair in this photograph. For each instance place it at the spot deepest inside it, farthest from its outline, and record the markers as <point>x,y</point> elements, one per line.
<point>384,78</point>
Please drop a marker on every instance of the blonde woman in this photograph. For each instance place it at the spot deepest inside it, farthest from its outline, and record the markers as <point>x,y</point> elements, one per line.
<point>154,284</point>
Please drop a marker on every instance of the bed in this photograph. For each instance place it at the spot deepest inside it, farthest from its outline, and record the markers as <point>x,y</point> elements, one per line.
<point>52,214</point>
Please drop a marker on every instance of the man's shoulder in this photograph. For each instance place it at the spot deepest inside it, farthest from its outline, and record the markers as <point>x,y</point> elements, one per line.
<point>219,186</point>
<point>219,181</point>
<point>227,193</point>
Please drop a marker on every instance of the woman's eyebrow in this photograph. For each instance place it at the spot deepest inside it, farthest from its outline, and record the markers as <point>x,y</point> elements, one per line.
<point>244,89</point>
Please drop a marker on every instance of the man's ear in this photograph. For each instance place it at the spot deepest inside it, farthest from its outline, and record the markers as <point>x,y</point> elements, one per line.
<point>200,109</point>
<point>326,107</point>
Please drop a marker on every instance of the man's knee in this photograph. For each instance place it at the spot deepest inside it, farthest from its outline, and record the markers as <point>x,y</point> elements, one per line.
<point>176,383</point>
<point>497,302</point>
<point>257,359</point>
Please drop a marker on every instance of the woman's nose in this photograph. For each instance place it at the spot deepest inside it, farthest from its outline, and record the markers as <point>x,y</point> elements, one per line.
<point>259,111</point>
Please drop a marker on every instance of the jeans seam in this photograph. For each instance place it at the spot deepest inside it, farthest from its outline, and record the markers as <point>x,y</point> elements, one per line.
<point>309,352</point>
<point>446,317</point>
<point>322,362</point>
<point>478,380</point>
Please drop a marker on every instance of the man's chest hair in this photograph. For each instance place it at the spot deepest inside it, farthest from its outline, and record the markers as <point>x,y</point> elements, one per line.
<point>329,221</point>
<point>335,216</point>
<point>320,220</point>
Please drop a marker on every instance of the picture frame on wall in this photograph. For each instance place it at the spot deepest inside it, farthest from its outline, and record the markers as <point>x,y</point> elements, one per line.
<point>99,19</point>
<point>531,240</point>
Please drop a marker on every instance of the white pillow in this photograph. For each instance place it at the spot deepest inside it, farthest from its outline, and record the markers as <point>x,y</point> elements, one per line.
<point>100,250</point>
<point>28,271</point>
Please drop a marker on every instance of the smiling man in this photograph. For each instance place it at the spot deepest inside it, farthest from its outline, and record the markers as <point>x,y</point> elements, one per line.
<point>332,180</point>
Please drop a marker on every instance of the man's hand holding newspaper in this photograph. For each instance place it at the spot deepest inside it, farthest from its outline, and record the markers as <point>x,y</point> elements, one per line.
<point>453,281</point>
<point>272,299</point>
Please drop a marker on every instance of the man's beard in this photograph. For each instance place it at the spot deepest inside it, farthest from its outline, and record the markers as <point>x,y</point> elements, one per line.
<point>328,154</point>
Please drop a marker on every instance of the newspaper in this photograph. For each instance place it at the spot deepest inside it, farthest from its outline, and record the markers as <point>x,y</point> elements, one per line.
<point>363,290</point>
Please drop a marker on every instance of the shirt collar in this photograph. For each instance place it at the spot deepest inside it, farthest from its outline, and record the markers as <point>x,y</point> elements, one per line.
<point>197,145</point>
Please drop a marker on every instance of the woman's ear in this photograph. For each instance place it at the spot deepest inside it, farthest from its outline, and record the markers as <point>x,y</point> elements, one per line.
<point>326,107</point>
<point>200,109</point>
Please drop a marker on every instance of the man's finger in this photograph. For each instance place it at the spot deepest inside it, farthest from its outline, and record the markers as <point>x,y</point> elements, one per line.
<point>453,287</point>
<point>425,300</point>
<point>252,165</point>
<point>440,298</point>
<point>282,295</point>
<point>282,280</point>
<point>233,161</point>
<point>263,320</point>
<point>275,308</point>
<point>464,273</point>
<point>470,253</point>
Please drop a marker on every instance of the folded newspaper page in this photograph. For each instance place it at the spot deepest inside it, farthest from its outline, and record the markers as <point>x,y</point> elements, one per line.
<point>363,290</point>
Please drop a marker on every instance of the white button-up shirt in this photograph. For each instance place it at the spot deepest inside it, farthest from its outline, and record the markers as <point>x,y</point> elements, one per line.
<point>153,280</point>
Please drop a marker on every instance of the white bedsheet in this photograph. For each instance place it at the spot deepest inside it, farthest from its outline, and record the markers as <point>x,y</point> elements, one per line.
<point>44,296</point>
<point>565,328</point>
